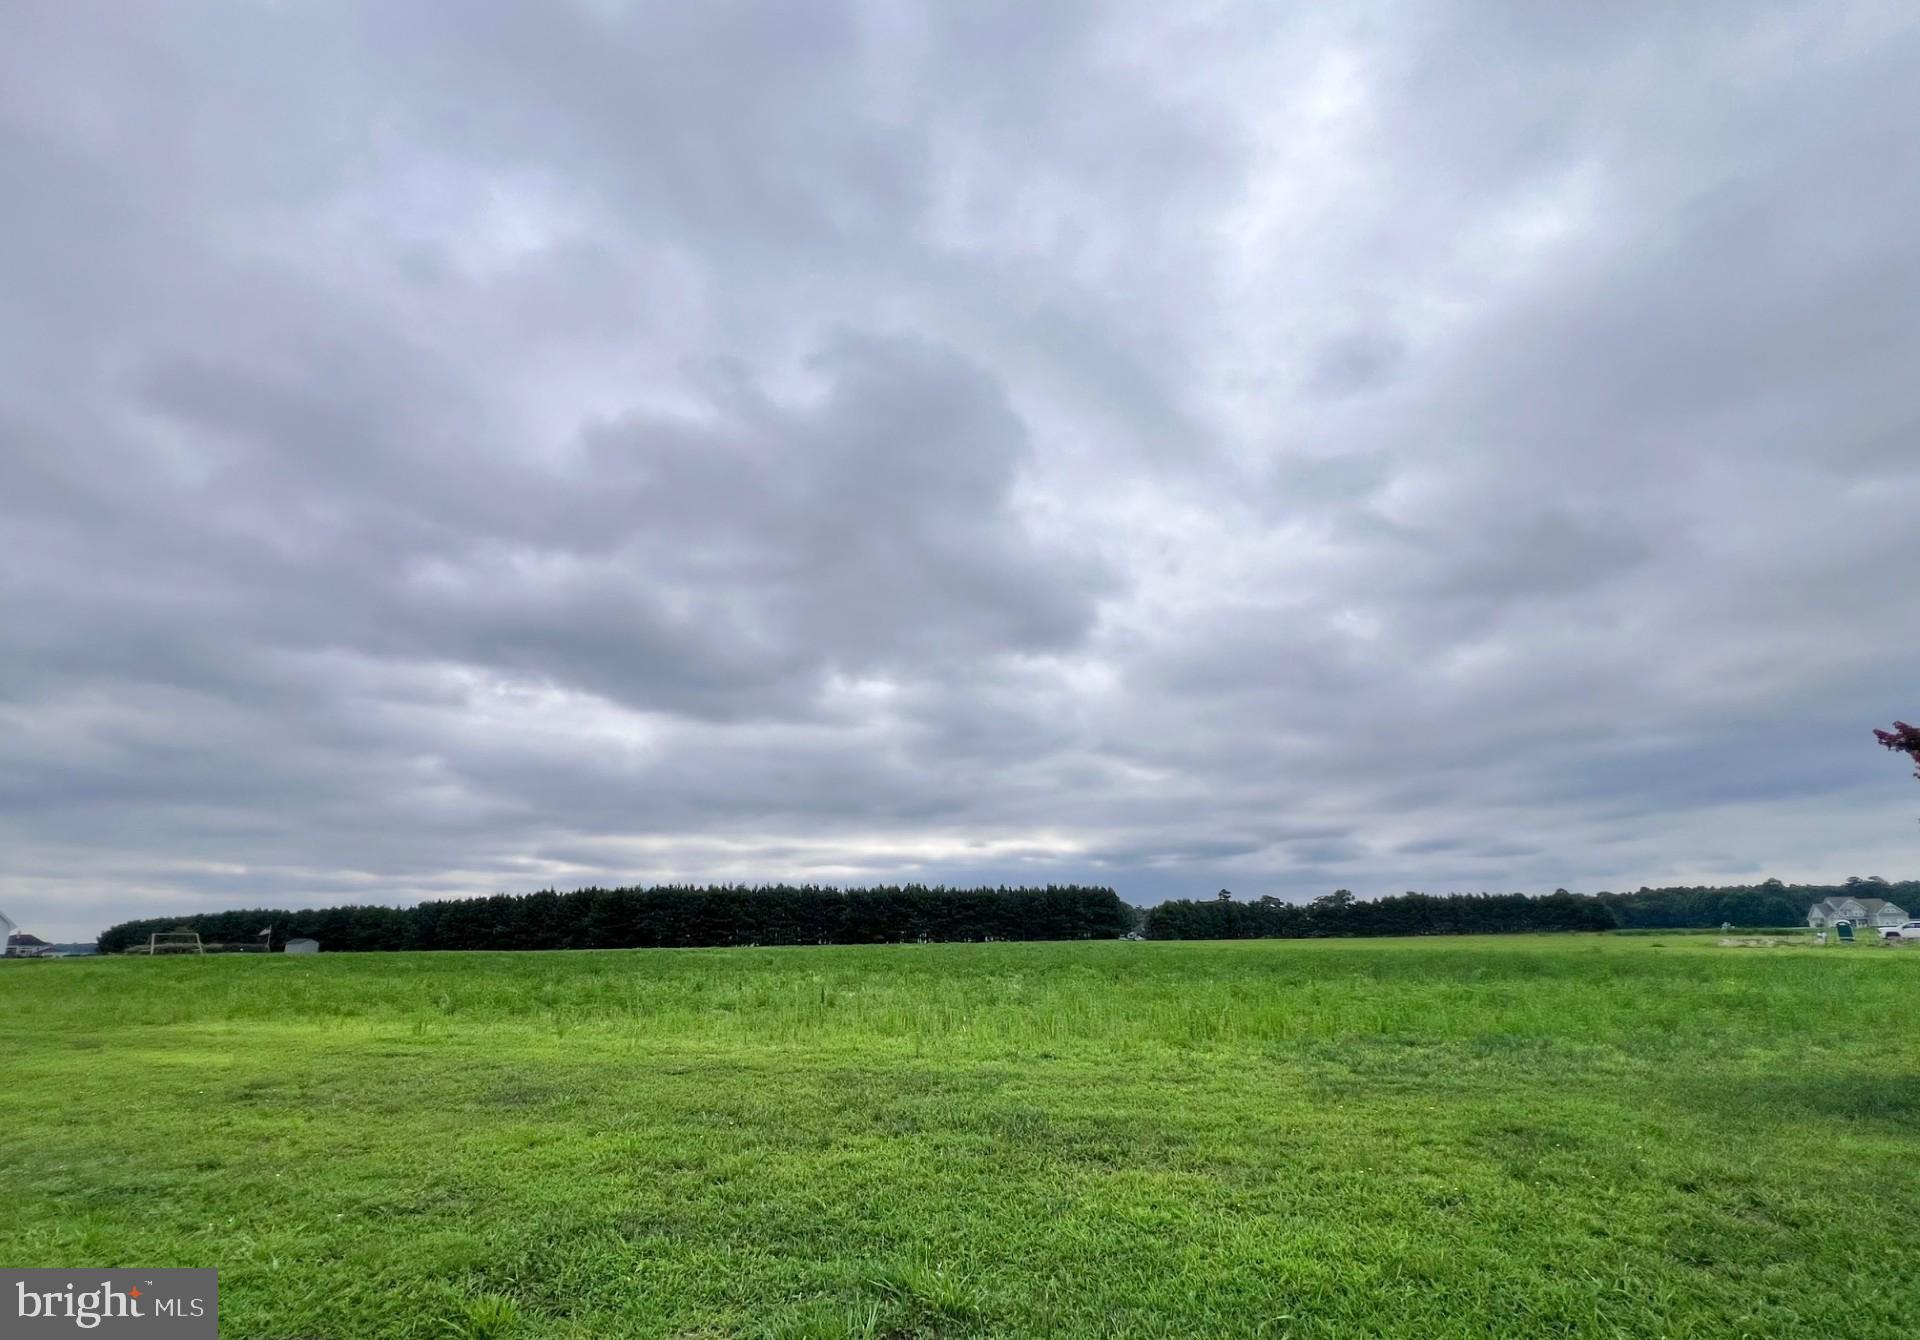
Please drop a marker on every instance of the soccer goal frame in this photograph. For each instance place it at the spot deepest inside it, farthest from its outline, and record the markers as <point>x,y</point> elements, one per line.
<point>175,942</point>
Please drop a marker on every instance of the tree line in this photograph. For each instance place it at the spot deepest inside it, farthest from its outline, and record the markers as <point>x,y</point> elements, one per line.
<point>1340,913</point>
<point>679,916</point>
<point>1769,903</point>
<point>685,916</point>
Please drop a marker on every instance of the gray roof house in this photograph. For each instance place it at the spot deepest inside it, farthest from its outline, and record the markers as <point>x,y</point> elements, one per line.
<point>1858,911</point>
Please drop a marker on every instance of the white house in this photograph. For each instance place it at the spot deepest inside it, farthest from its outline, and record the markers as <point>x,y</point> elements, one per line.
<point>16,943</point>
<point>303,946</point>
<point>1858,911</point>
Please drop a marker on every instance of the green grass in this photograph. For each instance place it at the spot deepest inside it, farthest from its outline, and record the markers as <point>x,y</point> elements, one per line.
<point>1715,930</point>
<point>1527,1137</point>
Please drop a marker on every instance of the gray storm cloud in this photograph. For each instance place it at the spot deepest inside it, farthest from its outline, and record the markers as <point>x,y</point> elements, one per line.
<point>457,448</point>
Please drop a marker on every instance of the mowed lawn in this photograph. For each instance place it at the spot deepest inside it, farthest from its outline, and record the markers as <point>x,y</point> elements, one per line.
<point>1527,1137</point>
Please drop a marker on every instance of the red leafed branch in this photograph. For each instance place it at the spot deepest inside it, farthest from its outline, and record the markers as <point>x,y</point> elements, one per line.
<point>1902,739</point>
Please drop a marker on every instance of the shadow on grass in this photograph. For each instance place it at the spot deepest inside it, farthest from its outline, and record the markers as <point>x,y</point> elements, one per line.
<point>1864,1096</point>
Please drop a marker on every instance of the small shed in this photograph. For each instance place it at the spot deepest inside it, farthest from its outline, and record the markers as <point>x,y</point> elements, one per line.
<point>303,946</point>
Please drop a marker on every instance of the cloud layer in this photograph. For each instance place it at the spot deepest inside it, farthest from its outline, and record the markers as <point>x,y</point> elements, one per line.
<point>448,449</point>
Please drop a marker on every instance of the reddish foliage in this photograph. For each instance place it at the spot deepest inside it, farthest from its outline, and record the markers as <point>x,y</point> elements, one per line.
<point>1903,739</point>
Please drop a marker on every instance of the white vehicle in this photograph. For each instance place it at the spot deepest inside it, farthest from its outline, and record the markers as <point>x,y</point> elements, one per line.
<point>1906,930</point>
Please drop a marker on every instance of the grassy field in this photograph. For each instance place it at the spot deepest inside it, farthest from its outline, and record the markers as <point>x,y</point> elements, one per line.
<point>1528,1137</point>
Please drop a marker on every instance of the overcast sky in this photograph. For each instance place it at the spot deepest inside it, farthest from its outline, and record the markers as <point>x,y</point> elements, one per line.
<point>452,448</point>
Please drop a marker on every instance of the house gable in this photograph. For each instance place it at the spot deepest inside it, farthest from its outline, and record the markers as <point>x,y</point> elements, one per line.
<point>1859,911</point>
